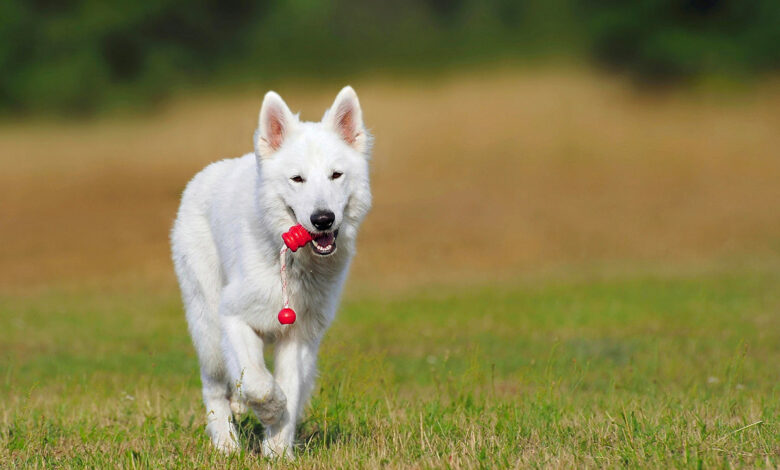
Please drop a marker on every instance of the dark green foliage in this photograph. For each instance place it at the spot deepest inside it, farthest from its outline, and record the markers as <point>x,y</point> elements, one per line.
<point>664,40</point>
<point>76,56</point>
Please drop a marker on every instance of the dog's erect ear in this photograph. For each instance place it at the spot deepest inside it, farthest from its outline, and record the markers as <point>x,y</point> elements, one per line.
<point>346,119</point>
<point>274,124</point>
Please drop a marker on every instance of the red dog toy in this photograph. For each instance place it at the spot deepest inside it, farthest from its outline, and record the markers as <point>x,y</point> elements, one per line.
<point>294,238</point>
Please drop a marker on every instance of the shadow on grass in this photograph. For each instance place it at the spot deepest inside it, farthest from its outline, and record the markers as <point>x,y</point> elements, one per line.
<point>314,435</point>
<point>311,435</point>
<point>250,433</point>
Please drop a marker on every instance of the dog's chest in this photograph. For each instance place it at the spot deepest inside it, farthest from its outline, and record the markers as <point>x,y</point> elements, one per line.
<point>313,289</point>
<point>313,292</point>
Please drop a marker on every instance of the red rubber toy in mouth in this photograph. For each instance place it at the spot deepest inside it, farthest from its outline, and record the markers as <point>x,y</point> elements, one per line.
<point>296,237</point>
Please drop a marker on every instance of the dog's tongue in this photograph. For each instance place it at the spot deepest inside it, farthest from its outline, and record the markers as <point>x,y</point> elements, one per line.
<point>324,239</point>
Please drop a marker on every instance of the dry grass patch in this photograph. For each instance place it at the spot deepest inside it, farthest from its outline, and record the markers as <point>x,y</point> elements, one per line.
<point>474,175</point>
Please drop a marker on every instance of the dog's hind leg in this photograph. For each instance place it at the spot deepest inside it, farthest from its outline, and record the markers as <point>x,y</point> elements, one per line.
<point>214,378</point>
<point>197,267</point>
<point>219,426</point>
<point>216,388</point>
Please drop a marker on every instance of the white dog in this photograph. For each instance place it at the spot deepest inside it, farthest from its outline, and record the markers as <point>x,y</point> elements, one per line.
<point>226,242</point>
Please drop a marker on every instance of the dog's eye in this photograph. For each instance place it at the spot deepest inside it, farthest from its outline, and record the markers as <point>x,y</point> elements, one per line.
<point>336,175</point>
<point>298,179</point>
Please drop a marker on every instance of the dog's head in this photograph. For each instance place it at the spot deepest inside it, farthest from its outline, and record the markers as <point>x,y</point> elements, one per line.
<point>314,173</point>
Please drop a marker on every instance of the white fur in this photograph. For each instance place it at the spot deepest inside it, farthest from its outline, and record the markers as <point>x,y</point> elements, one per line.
<point>226,242</point>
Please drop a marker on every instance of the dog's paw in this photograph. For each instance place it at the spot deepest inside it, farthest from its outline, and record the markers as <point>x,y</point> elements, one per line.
<point>274,449</point>
<point>270,407</point>
<point>224,438</point>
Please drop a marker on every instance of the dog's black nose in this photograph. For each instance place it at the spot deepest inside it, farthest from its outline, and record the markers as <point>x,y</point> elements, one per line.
<point>322,219</point>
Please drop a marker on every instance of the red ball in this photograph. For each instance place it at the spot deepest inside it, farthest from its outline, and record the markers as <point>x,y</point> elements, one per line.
<point>286,316</point>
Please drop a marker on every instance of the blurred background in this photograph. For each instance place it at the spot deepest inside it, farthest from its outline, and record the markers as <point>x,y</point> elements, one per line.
<point>576,215</point>
<point>513,138</point>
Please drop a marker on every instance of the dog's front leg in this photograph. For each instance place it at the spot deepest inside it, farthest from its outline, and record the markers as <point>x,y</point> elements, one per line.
<point>252,381</point>
<point>295,368</point>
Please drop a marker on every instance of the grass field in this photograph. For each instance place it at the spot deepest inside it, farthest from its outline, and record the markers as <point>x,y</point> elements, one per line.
<point>558,272</point>
<point>640,372</point>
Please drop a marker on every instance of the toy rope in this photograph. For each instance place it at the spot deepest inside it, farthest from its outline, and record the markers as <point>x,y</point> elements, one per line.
<point>283,274</point>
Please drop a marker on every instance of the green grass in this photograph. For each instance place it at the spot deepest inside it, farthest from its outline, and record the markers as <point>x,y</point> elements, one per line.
<point>650,372</point>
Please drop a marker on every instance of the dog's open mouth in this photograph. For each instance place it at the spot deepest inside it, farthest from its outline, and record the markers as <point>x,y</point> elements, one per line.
<point>324,243</point>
